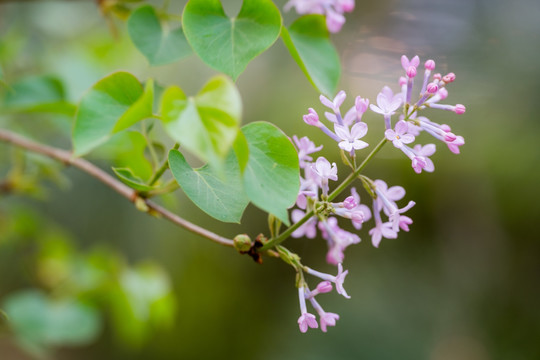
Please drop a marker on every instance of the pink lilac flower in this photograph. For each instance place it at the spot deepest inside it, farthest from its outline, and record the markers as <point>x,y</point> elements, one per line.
<point>326,318</point>
<point>332,9</point>
<point>322,288</point>
<point>386,200</point>
<point>399,136</point>
<point>305,147</point>
<point>410,68</point>
<point>324,171</point>
<point>441,132</point>
<point>351,139</point>
<point>360,207</point>
<point>429,66</point>
<point>312,118</point>
<point>306,320</point>
<point>308,229</point>
<point>387,104</point>
<point>338,240</point>
<point>337,280</point>
<point>308,188</point>
<point>404,222</point>
<point>381,229</point>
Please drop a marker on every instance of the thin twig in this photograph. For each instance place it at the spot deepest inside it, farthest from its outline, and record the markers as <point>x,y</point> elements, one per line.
<point>67,158</point>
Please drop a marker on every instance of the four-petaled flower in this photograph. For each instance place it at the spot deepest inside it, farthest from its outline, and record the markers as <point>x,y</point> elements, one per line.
<point>399,136</point>
<point>351,139</point>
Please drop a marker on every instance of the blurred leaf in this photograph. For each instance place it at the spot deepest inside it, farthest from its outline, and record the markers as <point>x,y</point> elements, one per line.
<point>158,46</point>
<point>126,150</point>
<point>143,299</point>
<point>143,105</point>
<point>272,177</point>
<point>241,150</point>
<point>207,124</point>
<point>308,41</point>
<point>37,319</point>
<point>220,197</point>
<point>131,180</point>
<point>38,94</point>
<point>110,100</point>
<point>226,44</point>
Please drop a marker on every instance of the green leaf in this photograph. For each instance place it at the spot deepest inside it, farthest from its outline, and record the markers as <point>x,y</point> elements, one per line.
<point>226,44</point>
<point>38,94</point>
<point>207,124</point>
<point>113,99</point>
<point>308,41</point>
<point>241,150</point>
<point>127,177</point>
<point>272,175</point>
<point>220,197</point>
<point>39,320</point>
<point>158,46</point>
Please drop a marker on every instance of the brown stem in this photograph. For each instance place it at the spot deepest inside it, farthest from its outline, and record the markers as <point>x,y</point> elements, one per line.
<point>68,159</point>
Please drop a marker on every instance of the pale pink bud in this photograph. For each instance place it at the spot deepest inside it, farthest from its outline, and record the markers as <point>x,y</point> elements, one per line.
<point>449,137</point>
<point>324,287</point>
<point>430,65</point>
<point>445,128</point>
<point>437,76</point>
<point>448,78</point>
<point>402,80</point>
<point>432,88</point>
<point>312,118</point>
<point>443,93</point>
<point>349,203</point>
<point>411,71</point>
<point>460,109</point>
<point>345,5</point>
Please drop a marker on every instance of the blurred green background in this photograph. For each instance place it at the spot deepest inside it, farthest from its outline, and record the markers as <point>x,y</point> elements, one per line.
<point>463,284</point>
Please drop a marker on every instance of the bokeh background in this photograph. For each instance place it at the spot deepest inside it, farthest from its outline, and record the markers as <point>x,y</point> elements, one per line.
<point>463,284</point>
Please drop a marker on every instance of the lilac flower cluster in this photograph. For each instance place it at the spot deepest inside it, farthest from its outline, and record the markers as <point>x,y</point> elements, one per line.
<point>348,130</point>
<point>333,10</point>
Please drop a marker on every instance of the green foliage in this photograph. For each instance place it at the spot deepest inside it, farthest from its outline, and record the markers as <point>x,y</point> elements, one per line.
<point>229,44</point>
<point>133,181</point>
<point>40,321</point>
<point>157,45</point>
<point>272,175</point>
<point>308,41</point>
<point>221,197</point>
<point>207,124</point>
<point>38,94</point>
<point>113,103</point>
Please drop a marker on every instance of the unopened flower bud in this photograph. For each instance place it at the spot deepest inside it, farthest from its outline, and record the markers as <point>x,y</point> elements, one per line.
<point>312,118</point>
<point>448,78</point>
<point>361,104</point>
<point>460,109</point>
<point>324,287</point>
<point>402,80</point>
<point>437,76</point>
<point>349,203</point>
<point>432,88</point>
<point>443,93</point>
<point>445,128</point>
<point>242,243</point>
<point>449,137</point>
<point>411,71</point>
<point>429,65</point>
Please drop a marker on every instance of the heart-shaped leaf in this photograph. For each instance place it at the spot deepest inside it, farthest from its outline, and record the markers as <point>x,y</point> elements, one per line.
<point>133,181</point>
<point>229,44</point>
<point>116,99</point>
<point>221,197</point>
<point>272,175</point>
<point>207,124</point>
<point>308,41</point>
<point>158,46</point>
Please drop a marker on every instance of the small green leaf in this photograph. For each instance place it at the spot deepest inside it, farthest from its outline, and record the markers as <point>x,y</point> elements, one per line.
<point>226,44</point>
<point>207,124</point>
<point>308,41</point>
<point>38,94</point>
<point>220,197</point>
<point>158,46</point>
<point>41,321</point>
<point>107,102</point>
<point>127,177</point>
<point>272,177</point>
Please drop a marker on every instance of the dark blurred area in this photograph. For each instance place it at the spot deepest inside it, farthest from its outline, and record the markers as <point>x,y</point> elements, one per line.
<point>463,284</point>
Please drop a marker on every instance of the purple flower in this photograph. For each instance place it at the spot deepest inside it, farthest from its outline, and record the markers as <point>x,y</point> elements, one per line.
<point>387,102</point>
<point>351,139</point>
<point>399,136</point>
<point>334,104</point>
<point>306,320</point>
<point>305,147</point>
<point>386,199</point>
<point>308,229</point>
<point>404,222</point>
<point>326,318</point>
<point>406,63</point>
<point>381,229</point>
<point>338,240</point>
<point>323,172</point>
<point>337,280</point>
